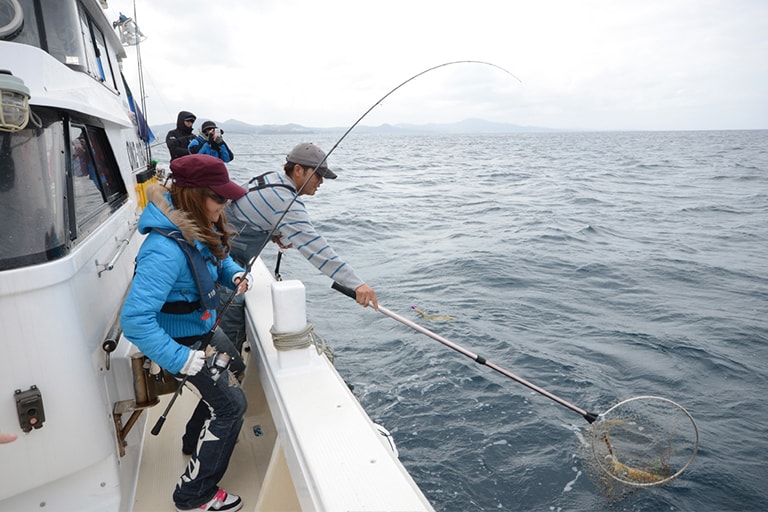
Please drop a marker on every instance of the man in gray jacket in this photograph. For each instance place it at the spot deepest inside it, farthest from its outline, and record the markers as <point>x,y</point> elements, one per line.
<point>255,215</point>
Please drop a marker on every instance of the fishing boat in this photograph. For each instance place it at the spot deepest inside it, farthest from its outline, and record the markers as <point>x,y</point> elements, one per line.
<point>75,157</point>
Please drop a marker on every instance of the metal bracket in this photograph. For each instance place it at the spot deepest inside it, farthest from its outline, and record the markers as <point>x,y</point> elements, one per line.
<point>120,408</point>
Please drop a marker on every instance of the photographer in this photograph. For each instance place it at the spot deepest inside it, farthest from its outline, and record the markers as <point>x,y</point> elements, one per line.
<point>210,142</point>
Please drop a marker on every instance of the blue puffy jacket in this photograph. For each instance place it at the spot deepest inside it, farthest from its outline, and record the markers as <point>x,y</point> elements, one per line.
<point>163,275</point>
<point>202,146</point>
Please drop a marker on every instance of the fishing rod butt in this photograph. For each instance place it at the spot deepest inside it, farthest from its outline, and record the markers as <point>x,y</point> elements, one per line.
<point>161,419</point>
<point>158,426</point>
<point>349,292</point>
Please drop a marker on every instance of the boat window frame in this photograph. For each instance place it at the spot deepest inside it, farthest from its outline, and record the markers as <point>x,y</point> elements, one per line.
<point>89,44</point>
<point>104,58</point>
<point>85,214</point>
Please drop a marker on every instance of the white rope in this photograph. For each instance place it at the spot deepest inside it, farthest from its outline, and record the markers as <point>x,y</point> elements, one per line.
<point>300,340</point>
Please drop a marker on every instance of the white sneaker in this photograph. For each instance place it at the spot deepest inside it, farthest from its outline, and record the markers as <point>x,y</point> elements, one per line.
<point>222,501</point>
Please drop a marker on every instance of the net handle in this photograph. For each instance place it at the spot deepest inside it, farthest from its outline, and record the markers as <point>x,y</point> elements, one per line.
<point>589,416</point>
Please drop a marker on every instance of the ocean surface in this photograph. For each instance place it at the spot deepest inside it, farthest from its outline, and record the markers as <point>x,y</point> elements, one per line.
<point>599,266</point>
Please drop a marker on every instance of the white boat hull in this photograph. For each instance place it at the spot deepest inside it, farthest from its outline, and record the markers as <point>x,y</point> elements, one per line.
<point>83,441</point>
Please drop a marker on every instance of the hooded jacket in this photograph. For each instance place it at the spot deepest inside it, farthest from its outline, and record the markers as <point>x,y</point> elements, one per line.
<point>177,140</point>
<point>163,275</point>
<point>205,145</point>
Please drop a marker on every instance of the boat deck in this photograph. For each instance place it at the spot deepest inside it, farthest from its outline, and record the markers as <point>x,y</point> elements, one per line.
<point>162,461</point>
<point>306,442</point>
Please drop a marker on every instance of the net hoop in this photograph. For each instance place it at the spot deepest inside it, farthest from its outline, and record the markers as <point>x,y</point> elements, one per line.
<point>645,441</point>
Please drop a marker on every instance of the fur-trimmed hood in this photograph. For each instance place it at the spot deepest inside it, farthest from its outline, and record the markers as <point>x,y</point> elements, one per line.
<point>160,213</point>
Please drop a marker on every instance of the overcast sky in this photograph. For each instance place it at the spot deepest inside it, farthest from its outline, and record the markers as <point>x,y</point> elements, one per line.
<point>586,64</point>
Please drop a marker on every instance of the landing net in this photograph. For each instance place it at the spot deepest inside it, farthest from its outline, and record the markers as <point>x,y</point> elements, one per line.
<point>641,442</point>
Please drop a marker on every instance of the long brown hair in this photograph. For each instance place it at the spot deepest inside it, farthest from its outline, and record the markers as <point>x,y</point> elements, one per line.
<point>192,201</point>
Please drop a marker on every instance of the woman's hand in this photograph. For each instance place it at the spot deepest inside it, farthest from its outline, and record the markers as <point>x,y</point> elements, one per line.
<point>243,282</point>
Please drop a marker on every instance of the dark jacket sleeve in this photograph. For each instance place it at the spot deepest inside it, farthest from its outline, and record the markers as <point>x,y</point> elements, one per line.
<point>177,145</point>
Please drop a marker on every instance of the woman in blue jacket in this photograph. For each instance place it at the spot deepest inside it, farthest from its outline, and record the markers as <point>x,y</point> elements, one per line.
<point>172,305</point>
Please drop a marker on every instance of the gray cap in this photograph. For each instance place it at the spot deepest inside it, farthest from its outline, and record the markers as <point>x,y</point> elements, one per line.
<point>309,155</point>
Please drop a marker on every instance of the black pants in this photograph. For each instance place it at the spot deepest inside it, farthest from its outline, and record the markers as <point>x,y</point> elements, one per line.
<point>195,423</point>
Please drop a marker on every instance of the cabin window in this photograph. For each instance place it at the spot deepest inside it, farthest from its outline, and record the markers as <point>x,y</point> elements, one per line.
<point>96,182</point>
<point>28,33</point>
<point>104,60</point>
<point>33,197</point>
<point>58,181</point>
<point>63,33</point>
<point>67,32</point>
<point>93,67</point>
<point>97,57</point>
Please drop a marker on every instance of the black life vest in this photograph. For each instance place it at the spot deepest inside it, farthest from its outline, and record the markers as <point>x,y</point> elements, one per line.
<point>261,183</point>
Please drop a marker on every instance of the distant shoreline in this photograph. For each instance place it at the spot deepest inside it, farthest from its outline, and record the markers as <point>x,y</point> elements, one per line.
<point>468,126</point>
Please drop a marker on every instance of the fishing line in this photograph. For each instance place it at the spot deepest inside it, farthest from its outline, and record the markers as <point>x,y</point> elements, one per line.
<point>274,229</point>
<point>271,233</point>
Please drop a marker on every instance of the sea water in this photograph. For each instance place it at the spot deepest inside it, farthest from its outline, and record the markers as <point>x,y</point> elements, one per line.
<point>599,266</point>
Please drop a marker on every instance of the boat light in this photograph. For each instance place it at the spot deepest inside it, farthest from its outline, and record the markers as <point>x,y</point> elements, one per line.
<point>14,102</point>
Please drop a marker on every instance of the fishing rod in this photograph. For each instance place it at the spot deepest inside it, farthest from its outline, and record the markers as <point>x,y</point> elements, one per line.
<point>274,229</point>
<point>161,420</point>
<point>643,441</point>
<point>344,136</point>
<point>378,102</point>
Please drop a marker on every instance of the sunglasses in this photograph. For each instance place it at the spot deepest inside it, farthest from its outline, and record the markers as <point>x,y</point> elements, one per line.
<point>219,199</point>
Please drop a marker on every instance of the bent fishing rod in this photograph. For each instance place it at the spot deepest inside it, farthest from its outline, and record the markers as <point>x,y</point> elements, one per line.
<point>589,416</point>
<point>344,136</point>
<point>274,229</point>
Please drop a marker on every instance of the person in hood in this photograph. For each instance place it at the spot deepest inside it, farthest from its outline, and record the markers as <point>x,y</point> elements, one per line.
<point>170,311</point>
<point>178,140</point>
<point>211,142</point>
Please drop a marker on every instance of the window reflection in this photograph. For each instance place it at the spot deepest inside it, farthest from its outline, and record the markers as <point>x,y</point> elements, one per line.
<point>96,181</point>
<point>32,194</point>
<point>58,182</point>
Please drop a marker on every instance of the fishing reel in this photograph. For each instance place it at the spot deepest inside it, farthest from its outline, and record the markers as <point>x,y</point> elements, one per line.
<point>217,363</point>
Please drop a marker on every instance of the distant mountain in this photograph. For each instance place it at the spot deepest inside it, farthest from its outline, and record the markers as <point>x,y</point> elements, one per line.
<point>466,126</point>
<point>474,126</point>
